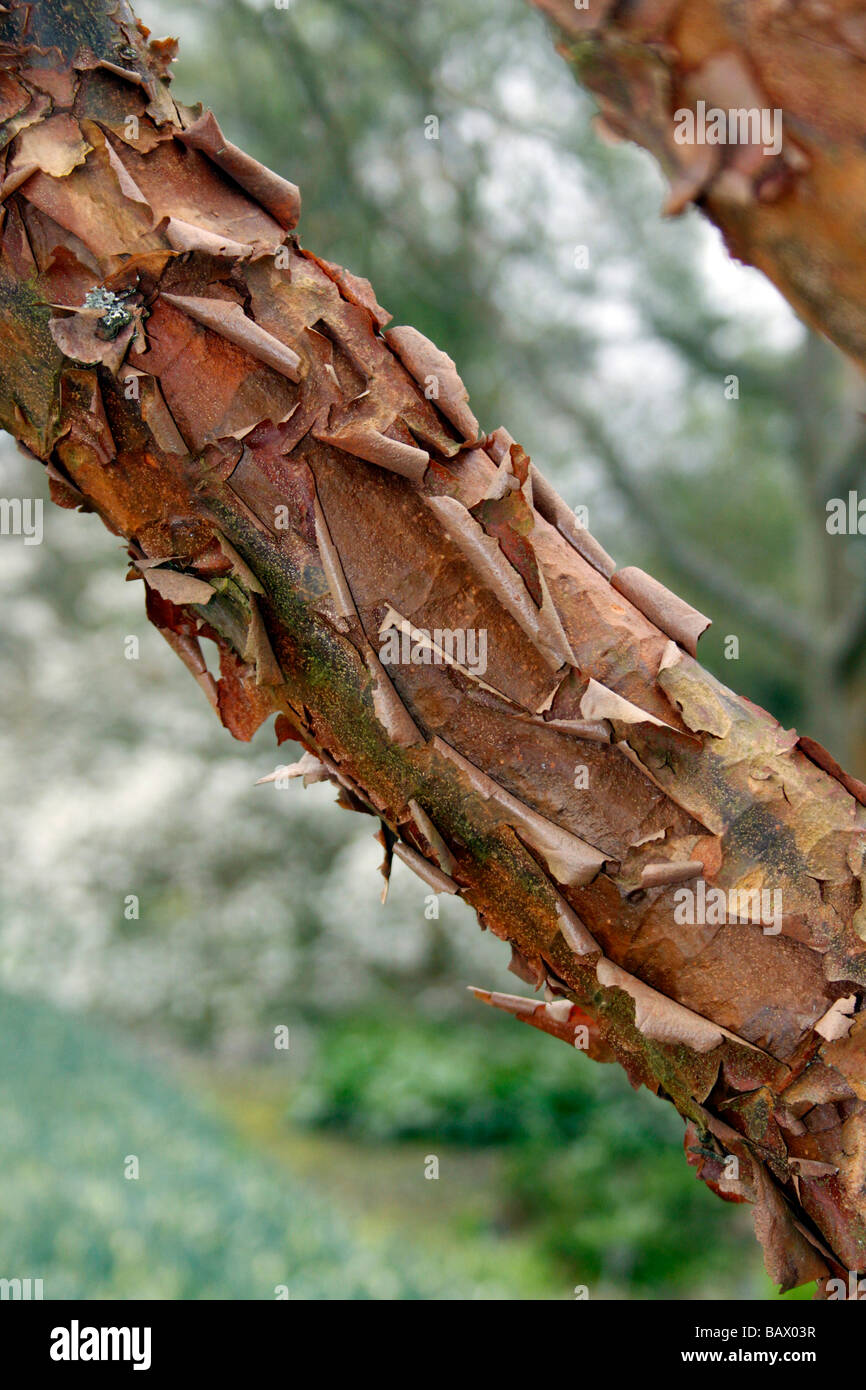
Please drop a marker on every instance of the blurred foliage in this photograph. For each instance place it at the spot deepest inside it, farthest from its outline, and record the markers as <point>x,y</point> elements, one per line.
<point>207,1217</point>
<point>583,1183</point>
<point>592,1172</point>
<point>620,1207</point>
<point>388,1078</point>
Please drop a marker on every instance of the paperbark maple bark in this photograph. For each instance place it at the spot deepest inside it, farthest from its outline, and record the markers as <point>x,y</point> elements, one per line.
<point>795,213</point>
<point>297,483</point>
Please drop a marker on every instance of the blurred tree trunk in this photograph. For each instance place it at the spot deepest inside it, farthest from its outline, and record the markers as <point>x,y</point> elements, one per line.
<point>308,489</point>
<point>790,201</point>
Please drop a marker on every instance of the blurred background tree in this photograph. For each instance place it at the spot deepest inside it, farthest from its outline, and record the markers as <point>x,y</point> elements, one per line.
<point>444,152</point>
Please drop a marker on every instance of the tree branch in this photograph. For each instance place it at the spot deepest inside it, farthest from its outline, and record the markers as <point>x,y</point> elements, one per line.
<point>309,490</point>
<point>789,211</point>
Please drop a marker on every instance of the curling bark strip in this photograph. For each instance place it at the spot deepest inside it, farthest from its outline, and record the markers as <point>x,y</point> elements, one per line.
<point>289,476</point>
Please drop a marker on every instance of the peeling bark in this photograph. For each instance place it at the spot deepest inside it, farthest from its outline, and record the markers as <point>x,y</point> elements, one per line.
<point>288,487</point>
<point>796,212</point>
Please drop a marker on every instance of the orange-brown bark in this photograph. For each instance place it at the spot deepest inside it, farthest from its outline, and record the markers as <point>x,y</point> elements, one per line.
<point>297,481</point>
<point>795,213</point>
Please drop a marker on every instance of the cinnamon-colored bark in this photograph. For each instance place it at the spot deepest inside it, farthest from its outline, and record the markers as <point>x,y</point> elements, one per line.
<point>796,214</point>
<point>296,481</point>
